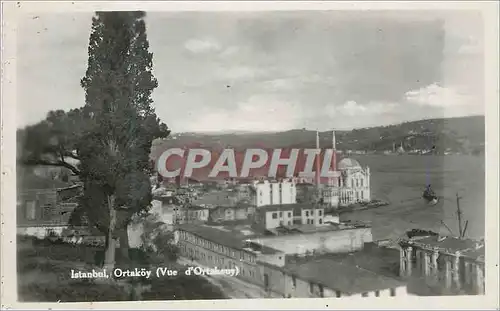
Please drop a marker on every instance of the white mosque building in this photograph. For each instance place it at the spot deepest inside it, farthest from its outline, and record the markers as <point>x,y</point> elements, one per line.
<point>350,185</point>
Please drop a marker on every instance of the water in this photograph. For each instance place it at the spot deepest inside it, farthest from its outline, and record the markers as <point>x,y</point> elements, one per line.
<point>400,180</point>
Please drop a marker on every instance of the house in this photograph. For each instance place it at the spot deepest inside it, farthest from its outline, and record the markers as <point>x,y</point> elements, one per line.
<point>44,206</point>
<point>273,216</point>
<point>192,214</point>
<point>453,264</point>
<point>216,199</point>
<point>240,211</point>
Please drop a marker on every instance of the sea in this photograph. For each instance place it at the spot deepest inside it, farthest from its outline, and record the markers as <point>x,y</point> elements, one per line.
<point>401,179</point>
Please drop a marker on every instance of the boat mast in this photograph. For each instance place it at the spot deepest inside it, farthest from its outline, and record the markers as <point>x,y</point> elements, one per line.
<point>461,231</point>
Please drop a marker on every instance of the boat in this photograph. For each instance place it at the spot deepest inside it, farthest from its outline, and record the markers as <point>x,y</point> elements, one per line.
<point>430,196</point>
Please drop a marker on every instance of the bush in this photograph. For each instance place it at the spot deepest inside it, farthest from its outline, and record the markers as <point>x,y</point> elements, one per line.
<point>72,292</point>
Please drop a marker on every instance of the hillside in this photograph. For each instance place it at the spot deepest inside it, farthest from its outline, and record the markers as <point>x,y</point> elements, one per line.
<point>464,135</point>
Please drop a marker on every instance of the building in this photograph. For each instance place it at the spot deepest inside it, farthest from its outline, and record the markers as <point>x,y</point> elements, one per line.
<point>174,210</point>
<point>274,192</point>
<point>44,206</point>
<point>193,214</point>
<point>166,208</point>
<point>240,211</point>
<point>447,263</point>
<point>306,193</point>
<point>274,216</point>
<point>273,270</point>
<point>350,187</point>
<point>214,199</point>
<point>224,248</point>
<point>317,276</point>
<point>309,239</point>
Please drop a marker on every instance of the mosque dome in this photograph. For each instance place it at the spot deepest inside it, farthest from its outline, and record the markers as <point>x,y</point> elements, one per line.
<point>348,163</point>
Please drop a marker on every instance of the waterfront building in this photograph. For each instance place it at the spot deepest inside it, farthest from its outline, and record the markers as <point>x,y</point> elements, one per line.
<point>452,264</point>
<point>350,185</point>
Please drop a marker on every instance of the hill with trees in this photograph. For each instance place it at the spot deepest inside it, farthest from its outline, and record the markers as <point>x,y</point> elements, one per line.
<point>457,135</point>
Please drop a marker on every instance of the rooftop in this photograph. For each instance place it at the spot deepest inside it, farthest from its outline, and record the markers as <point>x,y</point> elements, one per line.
<point>304,229</point>
<point>287,207</point>
<point>219,198</point>
<point>342,277</point>
<point>231,237</point>
<point>467,247</point>
<point>381,260</point>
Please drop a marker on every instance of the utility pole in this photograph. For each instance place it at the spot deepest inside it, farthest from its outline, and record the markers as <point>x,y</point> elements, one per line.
<point>459,216</point>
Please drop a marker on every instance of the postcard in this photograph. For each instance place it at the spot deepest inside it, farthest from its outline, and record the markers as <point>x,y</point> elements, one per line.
<point>249,155</point>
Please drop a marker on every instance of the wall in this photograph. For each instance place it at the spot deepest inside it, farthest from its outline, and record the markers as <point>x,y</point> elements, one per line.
<point>290,286</point>
<point>212,254</point>
<point>272,193</point>
<point>272,259</point>
<point>282,216</point>
<point>315,216</point>
<point>346,240</point>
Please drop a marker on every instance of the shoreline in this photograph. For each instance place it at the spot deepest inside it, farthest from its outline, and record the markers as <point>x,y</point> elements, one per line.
<point>357,207</point>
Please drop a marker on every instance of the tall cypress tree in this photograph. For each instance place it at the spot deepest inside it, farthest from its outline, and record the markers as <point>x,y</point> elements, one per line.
<point>120,125</point>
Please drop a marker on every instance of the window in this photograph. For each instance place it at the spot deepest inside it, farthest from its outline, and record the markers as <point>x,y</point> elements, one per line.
<point>377,293</point>
<point>275,215</point>
<point>393,292</point>
<point>320,212</point>
<point>364,294</point>
<point>31,210</point>
<point>320,221</point>
<point>338,294</point>
<point>289,214</point>
<point>307,213</point>
<point>361,182</point>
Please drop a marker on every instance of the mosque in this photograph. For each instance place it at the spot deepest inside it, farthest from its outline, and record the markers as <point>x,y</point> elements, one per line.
<point>350,185</point>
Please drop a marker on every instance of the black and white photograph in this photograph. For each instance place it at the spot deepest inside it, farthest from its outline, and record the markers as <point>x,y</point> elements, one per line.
<point>250,153</point>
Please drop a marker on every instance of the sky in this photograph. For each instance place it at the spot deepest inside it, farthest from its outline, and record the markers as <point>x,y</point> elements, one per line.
<point>273,71</point>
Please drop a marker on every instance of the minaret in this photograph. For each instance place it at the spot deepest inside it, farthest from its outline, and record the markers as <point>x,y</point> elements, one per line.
<point>317,160</point>
<point>334,158</point>
<point>334,143</point>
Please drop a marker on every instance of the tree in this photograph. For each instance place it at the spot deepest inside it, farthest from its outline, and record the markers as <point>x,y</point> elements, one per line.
<point>115,149</point>
<point>112,134</point>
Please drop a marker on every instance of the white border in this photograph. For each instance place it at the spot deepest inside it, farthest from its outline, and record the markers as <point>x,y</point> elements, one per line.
<point>8,147</point>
